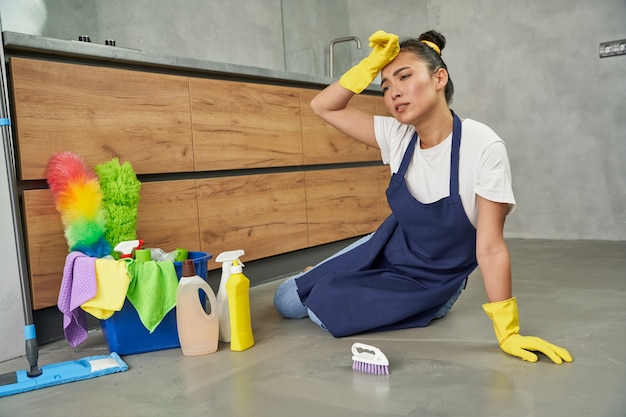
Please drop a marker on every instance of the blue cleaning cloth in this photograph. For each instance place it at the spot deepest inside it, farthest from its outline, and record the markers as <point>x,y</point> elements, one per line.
<point>152,290</point>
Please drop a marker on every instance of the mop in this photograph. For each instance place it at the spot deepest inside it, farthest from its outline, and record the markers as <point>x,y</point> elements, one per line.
<point>78,199</point>
<point>59,373</point>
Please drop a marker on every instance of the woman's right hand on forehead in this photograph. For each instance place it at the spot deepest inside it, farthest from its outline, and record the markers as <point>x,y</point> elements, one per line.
<point>385,48</point>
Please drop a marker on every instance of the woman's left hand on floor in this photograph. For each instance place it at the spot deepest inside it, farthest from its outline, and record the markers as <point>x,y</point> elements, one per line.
<point>505,318</point>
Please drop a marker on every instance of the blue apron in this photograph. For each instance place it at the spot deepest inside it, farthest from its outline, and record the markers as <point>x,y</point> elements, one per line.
<point>402,276</point>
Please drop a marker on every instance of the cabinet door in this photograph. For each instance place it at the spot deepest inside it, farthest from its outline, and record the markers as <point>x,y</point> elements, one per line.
<point>46,247</point>
<point>168,215</point>
<point>323,144</point>
<point>342,203</point>
<point>100,113</point>
<point>167,218</point>
<point>243,125</point>
<point>264,214</point>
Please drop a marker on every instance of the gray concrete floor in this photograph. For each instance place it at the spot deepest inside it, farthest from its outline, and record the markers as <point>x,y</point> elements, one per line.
<point>572,293</point>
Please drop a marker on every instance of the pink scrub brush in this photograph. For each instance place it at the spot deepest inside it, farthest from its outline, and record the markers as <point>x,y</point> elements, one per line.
<point>369,359</point>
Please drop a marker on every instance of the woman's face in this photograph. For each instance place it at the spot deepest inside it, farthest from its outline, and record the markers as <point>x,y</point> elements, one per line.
<point>410,89</point>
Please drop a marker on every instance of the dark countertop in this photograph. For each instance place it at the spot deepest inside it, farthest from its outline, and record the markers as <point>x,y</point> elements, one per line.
<point>25,45</point>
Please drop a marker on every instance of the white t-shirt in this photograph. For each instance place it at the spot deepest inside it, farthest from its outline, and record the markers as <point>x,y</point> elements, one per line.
<point>484,167</point>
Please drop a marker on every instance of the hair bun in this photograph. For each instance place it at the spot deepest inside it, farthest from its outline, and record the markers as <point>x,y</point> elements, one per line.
<point>434,37</point>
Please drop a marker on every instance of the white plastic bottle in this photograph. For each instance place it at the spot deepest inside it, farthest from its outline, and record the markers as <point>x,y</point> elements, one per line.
<point>198,331</point>
<point>226,259</point>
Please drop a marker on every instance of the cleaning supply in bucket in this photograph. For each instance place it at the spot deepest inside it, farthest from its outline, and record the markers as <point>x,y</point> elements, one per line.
<point>126,248</point>
<point>226,259</point>
<point>112,281</point>
<point>198,331</point>
<point>78,198</point>
<point>152,290</point>
<point>78,285</point>
<point>238,290</point>
<point>369,359</point>
<point>182,254</point>
<point>120,191</point>
<point>143,255</point>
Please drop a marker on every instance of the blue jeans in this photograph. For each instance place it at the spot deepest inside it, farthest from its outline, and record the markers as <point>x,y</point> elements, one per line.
<point>287,301</point>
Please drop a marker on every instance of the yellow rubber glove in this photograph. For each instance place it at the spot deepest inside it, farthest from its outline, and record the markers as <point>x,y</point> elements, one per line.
<point>385,47</point>
<point>505,320</point>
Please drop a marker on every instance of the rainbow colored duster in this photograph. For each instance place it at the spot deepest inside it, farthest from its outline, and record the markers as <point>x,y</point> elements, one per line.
<point>78,199</point>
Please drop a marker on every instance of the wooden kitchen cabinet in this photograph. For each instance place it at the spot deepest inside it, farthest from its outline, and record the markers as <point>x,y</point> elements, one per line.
<point>294,181</point>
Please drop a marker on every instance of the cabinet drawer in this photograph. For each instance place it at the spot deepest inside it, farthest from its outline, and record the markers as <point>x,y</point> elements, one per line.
<point>342,203</point>
<point>242,125</point>
<point>99,113</point>
<point>168,215</point>
<point>263,214</point>
<point>323,144</point>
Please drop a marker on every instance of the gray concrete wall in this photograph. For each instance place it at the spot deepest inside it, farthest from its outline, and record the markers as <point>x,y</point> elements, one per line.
<point>308,31</point>
<point>531,71</point>
<point>239,32</point>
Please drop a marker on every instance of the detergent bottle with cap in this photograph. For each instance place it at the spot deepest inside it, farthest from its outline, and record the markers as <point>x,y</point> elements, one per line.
<point>238,289</point>
<point>226,259</point>
<point>198,331</point>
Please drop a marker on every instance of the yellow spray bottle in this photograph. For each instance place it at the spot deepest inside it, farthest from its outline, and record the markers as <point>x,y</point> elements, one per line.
<point>238,291</point>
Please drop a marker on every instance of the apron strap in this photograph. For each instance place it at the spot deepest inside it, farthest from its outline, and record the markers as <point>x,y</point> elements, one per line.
<point>454,155</point>
<point>408,155</point>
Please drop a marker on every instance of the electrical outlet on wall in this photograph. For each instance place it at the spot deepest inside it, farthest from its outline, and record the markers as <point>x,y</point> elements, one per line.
<point>612,48</point>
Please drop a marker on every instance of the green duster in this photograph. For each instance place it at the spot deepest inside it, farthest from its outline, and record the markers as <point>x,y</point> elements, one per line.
<point>120,190</point>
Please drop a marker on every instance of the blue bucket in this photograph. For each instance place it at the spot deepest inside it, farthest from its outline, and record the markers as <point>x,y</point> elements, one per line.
<point>125,333</point>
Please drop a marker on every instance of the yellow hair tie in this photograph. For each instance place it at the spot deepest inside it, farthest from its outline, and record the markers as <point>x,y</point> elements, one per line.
<point>433,46</point>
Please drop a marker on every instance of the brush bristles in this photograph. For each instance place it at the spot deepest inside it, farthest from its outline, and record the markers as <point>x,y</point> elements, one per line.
<point>370,368</point>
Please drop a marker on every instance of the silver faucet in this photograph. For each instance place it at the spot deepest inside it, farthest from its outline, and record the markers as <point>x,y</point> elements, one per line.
<point>331,57</point>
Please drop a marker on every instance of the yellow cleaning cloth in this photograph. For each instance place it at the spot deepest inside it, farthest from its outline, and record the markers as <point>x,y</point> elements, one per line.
<point>152,290</point>
<point>112,281</point>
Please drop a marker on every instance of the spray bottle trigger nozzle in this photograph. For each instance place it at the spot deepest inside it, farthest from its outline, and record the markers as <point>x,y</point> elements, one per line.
<point>229,256</point>
<point>127,247</point>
